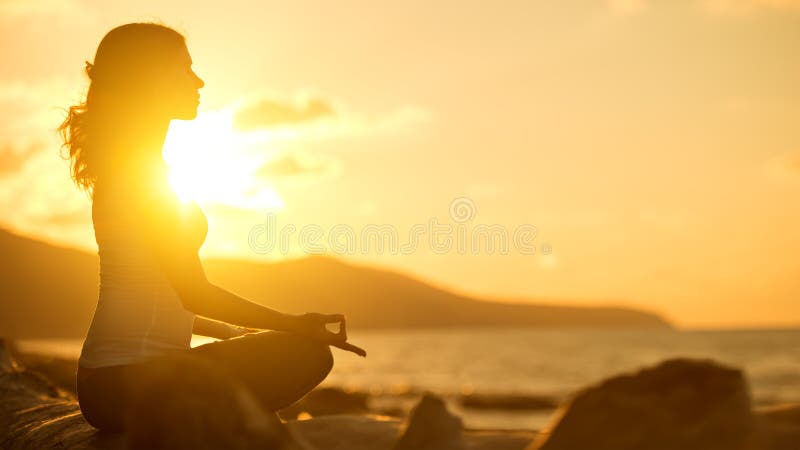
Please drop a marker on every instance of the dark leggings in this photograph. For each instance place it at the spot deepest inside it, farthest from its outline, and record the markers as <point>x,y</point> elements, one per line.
<point>278,368</point>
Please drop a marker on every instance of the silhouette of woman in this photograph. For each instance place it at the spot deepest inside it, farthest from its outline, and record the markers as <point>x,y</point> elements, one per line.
<point>153,291</point>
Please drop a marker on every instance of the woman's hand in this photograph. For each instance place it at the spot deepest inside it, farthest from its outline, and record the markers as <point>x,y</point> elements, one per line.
<point>219,330</point>
<point>237,331</point>
<point>313,326</point>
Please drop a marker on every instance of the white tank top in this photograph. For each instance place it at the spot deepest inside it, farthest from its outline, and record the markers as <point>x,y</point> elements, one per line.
<point>138,313</point>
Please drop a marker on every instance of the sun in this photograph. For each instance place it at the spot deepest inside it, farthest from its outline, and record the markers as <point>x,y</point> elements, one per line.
<point>209,163</point>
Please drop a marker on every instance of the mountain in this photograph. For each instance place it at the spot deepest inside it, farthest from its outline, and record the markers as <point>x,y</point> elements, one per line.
<point>50,291</point>
<point>45,290</point>
<point>377,298</point>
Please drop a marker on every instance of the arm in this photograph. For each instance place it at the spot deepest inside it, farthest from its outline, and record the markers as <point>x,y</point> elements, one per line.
<point>162,232</point>
<point>216,329</point>
<point>208,300</point>
<point>164,223</point>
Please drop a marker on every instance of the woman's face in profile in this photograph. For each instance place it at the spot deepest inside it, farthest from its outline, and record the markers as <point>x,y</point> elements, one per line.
<point>181,93</point>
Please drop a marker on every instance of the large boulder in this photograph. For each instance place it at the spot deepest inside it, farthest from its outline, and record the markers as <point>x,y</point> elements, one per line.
<point>778,427</point>
<point>680,404</point>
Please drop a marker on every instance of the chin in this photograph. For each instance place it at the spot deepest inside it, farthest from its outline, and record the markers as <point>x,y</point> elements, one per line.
<point>188,115</point>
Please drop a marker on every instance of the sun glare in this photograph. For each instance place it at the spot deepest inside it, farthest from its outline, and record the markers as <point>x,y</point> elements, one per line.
<point>209,163</point>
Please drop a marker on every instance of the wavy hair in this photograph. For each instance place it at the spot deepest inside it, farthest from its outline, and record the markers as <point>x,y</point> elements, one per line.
<point>122,89</point>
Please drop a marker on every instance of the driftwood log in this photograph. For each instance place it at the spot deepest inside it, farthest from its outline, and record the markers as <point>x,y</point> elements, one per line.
<point>34,414</point>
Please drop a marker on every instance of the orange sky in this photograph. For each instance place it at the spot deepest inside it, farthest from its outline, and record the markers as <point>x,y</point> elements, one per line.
<point>655,146</point>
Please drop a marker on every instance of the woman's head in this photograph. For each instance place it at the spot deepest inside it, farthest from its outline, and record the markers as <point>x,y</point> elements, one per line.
<point>141,78</point>
<point>149,66</point>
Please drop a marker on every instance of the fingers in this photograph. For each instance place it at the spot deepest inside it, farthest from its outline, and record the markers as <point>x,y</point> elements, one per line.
<point>330,336</point>
<point>340,319</point>
<point>339,339</point>
<point>343,328</point>
<point>333,318</point>
<point>351,348</point>
<point>334,337</point>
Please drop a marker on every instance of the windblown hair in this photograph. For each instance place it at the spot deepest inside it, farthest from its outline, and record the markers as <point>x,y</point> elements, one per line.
<point>122,89</point>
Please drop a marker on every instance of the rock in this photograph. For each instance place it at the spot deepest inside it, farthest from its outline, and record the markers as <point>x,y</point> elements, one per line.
<point>59,371</point>
<point>371,432</point>
<point>391,411</point>
<point>680,404</point>
<point>34,414</point>
<point>508,402</point>
<point>432,427</point>
<point>349,431</point>
<point>778,427</point>
<point>498,440</point>
<point>326,401</point>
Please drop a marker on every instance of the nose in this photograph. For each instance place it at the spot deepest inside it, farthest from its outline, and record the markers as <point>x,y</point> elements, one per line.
<point>200,82</point>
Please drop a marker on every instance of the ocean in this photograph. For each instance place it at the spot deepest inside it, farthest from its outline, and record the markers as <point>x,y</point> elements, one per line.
<point>536,362</point>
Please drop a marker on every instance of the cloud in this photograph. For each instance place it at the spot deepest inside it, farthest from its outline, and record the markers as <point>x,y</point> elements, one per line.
<point>740,7</point>
<point>627,7</point>
<point>13,160</point>
<point>484,190</point>
<point>30,111</point>
<point>728,7</point>
<point>48,92</point>
<point>316,119</point>
<point>17,8</point>
<point>78,217</point>
<point>784,168</point>
<point>74,10</point>
<point>296,164</point>
<point>793,164</point>
<point>268,113</point>
<point>38,196</point>
<point>286,166</point>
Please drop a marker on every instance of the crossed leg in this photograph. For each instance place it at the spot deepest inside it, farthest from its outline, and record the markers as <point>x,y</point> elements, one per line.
<point>278,368</point>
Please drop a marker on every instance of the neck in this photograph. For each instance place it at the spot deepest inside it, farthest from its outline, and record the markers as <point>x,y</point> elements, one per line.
<point>149,137</point>
<point>139,159</point>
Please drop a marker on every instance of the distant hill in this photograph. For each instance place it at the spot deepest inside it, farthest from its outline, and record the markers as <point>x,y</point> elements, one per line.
<point>45,291</point>
<point>376,298</point>
<point>50,291</point>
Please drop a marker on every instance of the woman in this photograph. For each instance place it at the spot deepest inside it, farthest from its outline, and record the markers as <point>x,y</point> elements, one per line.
<point>153,291</point>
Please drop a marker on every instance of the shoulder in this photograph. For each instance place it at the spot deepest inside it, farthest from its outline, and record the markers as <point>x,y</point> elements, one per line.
<point>152,205</point>
<point>151,216</point>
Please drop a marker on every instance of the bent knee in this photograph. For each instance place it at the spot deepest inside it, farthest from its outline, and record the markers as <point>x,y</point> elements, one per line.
<point>319,353</point>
